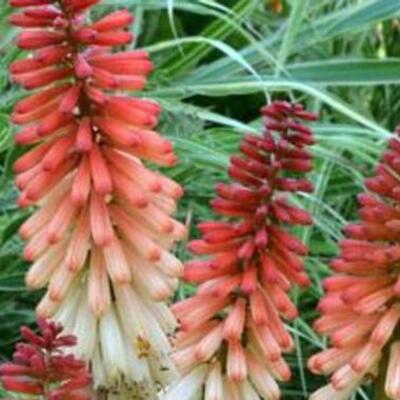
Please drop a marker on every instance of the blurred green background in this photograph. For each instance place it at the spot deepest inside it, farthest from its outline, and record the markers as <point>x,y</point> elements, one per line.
<point>217,63</point>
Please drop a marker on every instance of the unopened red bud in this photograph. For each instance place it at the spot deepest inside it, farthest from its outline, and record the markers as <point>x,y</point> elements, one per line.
<point>292,242</point>
<point>202,247</point>
<point>305,130</point>
<point>30,40</point>
<point>295,185</point>
<point>226,207</point>
<point>242,177</point>
<point>60,23</point>
<point>43,12</point>
<point>270,272</point>
<point>116,20</point>
<point>271,112</point>
<point>250,280</point>
<point>23,21</point>
<point>221,236</point>
<point>396,163</point>
<point>276,126</point>
<point>77,383</point>
<point>78,5</point>
<point>38,364</point>
<point>112,38</point>
<point>236,193</point>
<point>66,341</point>
<point>29,335</point>
<point>102,181</point>
<point>251,166</point>
<point>259,169</point>
<point>281,213</point>
<point>224,260</point>
<point>22,384</point>
<point>100,98</point>
<point>261,214</point>
<point>25,66</point>
<point>296,165</point>
<point>85,35</point>
<point>301,217</point>
<point>28,3</point>
<point>367,199</point>
<point>252,139</point>
<point>258,308</point>
<point>261,238</point>
<point>200,271</point>
<point>267,143</point>
<point>393,224</point>
<point>287,150</point>
<point>300,139</point>
<point>14,369</point>
<point>265,190</point>
<point>394,143</point>
<point>282,106</point>
<point>355,231</point>
<point>207,226</point>
<point>377,185</point>
<point>389,158</point>
<point>246,250</point>
<point>244,227</point>
<point>251,151</point>
<point>41,78</point>
<point>52,54</point>
<point>82,68</point>
<point>307,115</point>
<point>297,106</point>
<point>70,99</point>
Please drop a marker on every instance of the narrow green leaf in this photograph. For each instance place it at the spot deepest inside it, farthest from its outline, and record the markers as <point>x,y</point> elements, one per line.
<point>296,18</point>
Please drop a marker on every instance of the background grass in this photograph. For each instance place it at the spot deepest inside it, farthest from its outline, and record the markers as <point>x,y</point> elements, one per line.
<point>217,63</point>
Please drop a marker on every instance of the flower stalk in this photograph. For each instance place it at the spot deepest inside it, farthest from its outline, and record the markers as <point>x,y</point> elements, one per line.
<point>360,311</point>
<point>232,338</point>
<point>41,369</point>
<point>101,235</point>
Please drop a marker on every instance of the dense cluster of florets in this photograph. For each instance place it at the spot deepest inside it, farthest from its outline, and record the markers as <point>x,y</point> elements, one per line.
<point>41,368</point>
<point>101,236</point>
<point>361,311</point>
<point>232,337</point>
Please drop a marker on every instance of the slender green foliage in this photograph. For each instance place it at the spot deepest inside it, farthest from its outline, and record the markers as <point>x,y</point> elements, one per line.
<point>216,62</point>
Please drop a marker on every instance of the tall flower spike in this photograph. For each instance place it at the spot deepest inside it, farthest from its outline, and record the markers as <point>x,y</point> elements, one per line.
<point>360,310</point>
<point>41,368</point>
<point>232,338</point>
<point>101,236</point>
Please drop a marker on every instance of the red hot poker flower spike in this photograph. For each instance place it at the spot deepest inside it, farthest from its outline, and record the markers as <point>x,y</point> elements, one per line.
<point>360,310</point>
<point>101,235</point>
<point>41,368</point>
<point>232,338</point>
